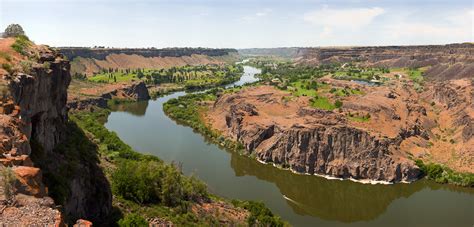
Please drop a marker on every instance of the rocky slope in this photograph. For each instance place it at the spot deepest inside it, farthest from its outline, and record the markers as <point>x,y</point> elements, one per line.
<point>92,94</point>
<point>91,60</point>
<point>453,61</point>
<point>285,130</point>
<point>35,122</point>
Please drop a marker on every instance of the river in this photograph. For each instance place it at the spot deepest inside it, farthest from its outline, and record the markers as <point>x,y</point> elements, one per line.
<point>302,200</point>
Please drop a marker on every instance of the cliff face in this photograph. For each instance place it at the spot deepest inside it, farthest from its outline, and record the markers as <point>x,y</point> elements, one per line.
<point>88,61</point>
<point>308,140</point>
<point>35,124</point>
<point>453,61</point>
<point>42,97</point>
<point>102,53</point>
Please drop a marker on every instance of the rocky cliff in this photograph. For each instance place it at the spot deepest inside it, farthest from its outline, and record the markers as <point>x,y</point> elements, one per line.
<point>35,126</point>
<point>307,140</point>
<point>453,61</point>
<point>129,92</point>
<point>91,60</point>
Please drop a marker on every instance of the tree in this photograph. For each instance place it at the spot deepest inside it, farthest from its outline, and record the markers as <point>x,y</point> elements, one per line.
<point>133,220</point>
<point>13,30</point>
<point>140,74</point>
<point>338,104</point>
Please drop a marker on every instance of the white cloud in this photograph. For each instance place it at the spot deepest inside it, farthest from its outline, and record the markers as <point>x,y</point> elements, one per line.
<point>263,13</point>
<point>343,18</point>
<point>452,27</point>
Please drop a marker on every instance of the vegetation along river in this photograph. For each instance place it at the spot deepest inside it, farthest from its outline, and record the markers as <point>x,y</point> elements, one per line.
<point>300,199</point>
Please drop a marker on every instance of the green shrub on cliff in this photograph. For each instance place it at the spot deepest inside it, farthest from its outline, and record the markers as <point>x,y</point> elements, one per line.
<point>21,44</point>
<point>445,175</point>
<point>260,215</point>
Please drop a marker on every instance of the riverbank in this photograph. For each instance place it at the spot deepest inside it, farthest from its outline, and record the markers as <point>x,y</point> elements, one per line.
<point>179,200</point>
<point>191,109</point>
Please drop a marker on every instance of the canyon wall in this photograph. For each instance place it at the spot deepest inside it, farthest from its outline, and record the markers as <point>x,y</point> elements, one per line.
<point>92,60</point>
<point>452,61</point>
<point>34,132</point>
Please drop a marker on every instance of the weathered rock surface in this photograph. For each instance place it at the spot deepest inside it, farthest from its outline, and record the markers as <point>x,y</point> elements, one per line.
<point>452,61</point>
<point>308,140</point>
<point>133,92</point>
<point>437,123</point>
<point>34,121</point>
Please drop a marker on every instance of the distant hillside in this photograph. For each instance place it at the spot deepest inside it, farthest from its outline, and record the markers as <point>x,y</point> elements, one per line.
<point>452,61</point>
<point>92,60</point>
<point>284,52</point>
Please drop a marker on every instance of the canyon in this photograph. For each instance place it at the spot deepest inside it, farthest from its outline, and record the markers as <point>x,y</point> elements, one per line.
<point>272,126</point>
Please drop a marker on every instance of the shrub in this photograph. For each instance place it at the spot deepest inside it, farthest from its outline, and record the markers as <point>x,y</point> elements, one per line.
<point>150,181</point>
<point>444,175</point>
<point>260,215</point>
<point>133,220</point>
<point>7,67</point>
<point>338,104</point>
<point>21,44</point>
<point>9,179</point>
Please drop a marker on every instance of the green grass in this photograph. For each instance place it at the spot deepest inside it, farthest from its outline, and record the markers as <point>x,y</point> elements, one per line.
<point>359,119</point>
<point>109,77</point>
<point>21,44</point>
<point>300,89</point>
<point>322,103</point>
<point>416,75</point>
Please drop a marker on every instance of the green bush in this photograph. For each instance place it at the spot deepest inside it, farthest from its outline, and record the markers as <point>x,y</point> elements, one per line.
<point>21,44</point>
<point>445,175</point>
<point>133,220</point>
<point>260,215</point>
<point>149,181</point>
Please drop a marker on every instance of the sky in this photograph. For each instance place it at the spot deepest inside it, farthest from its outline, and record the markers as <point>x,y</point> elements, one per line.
<point>241,23</point>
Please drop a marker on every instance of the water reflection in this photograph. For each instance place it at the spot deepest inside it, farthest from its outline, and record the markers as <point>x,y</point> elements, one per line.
<point>134,108</point>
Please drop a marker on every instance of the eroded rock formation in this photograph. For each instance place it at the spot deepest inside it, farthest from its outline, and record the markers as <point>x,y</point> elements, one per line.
<point>402,123</point>
<point>34,122</point>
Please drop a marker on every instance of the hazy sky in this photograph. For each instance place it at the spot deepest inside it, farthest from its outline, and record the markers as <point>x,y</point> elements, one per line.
<point>240,23</point>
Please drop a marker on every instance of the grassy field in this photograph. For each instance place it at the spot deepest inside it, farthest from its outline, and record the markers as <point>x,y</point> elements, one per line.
<point>113,77</point>
<point>322,103</point>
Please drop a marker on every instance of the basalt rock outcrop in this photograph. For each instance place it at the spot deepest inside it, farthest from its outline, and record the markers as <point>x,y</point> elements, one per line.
<point>313,141</point>
<point>34,123</point>
<point>452,61</point>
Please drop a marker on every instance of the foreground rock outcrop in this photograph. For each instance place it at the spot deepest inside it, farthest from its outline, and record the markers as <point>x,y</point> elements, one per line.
<point>34,124</point>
